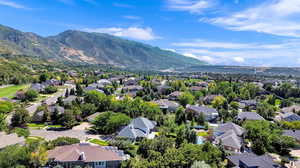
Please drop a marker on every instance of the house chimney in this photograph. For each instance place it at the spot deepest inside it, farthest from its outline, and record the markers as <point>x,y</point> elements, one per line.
<point>82,156</point>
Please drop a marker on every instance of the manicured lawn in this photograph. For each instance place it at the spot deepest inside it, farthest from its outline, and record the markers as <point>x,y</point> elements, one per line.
<point>99,142</point>
<point>40,126</point>
<point>203,134</point>
<point>10,91</point>
<point>34,125</point>
<point>31,139</point>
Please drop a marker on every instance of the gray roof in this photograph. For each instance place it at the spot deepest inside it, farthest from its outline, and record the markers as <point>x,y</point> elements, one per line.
<point>252,160</point>
<point>230,139</point>
<point>292,133</point>
<point>142,122</point>
<point>248,102</point>
<point>38,87</point>
<point>165,103</point>
<point>131,133</point>
<point>249,116</point>
<point>291,117</point>
<point>137,128</point>
<point>104,82</point>
<point>230,126</point>
<point>292,108</point>
<point>202,109</point>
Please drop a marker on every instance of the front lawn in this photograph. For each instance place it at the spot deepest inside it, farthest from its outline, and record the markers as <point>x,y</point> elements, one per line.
<point>99,142</point>
<point>10,91</point>
<point>202,134</point>
<point>41,126</point>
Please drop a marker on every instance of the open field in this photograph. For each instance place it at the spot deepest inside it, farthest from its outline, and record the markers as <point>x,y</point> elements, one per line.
<point>10,91</point>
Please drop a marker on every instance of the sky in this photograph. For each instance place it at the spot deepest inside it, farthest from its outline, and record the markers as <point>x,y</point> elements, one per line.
<point>221,32</point>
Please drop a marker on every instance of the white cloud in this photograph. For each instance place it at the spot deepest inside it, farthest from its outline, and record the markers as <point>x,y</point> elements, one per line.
<point>239,59</point>
<point>192,6</point>
<point>12,4</point>
<point>207,59</point>
<point>272,17</point>
<point>283,53</point>
<point>200,43</point>
<point>189,55</point>
<point>121,5</point>
<point>130,32</point>
<point>131,17</point>
<point>169,49</point>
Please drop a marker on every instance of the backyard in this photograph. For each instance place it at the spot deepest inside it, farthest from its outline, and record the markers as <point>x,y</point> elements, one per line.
<point>10,91</point>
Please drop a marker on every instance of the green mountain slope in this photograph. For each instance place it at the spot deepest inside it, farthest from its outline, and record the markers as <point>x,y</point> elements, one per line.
<point>92,48</point>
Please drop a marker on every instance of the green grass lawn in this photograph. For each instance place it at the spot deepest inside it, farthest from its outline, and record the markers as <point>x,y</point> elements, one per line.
<point>99,142</point>
<point>31,139</point>
<point>41,126</point>
<point>203,134</point>
<point>10,91</point>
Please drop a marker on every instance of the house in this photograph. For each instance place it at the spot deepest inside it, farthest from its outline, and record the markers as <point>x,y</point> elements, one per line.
<point>91,88</point>
<point>229,135</point>
<point>293,133</point>
<point>130,81</point>
<point>104,82</point>
<point>290,117</point>
<point>291,109</point>
<point>132,89</point>
<point>209,113</point>
<point>251,160</point>
<point>202,84</point>
<point>95,86</point>
<point>167,105</point>
<point>73,73</point>
<point>164,89</point>
<point>209,98</point>
<point>196,88</point>
<point>52,82</point>
<point>250,104</point>
<point>84,155</point>
<point>38,115</point>
<point>249,116</point>
<point>175,95</point>
<point>38,87</point>
<point>138,128</point>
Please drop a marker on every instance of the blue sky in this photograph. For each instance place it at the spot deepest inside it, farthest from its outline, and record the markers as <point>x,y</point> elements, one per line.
<point>226,32</point>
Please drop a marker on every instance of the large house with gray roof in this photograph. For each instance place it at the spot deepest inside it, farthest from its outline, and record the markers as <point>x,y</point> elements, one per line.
<point>138,128</point>
<point>229,135</point>
<point>290,117</point>
<point>250,160</point>
<point>249,116</point>
<point>210,113</point>
<point>167,105</point>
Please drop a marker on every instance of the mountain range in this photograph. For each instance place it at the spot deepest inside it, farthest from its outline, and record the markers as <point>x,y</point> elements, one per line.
<point>92,48</point>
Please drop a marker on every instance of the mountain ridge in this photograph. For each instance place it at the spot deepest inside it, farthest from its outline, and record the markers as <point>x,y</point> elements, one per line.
<point>92,48</point>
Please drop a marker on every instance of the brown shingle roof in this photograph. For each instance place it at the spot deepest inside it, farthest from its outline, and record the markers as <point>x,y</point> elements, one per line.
<point>92,153</point>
